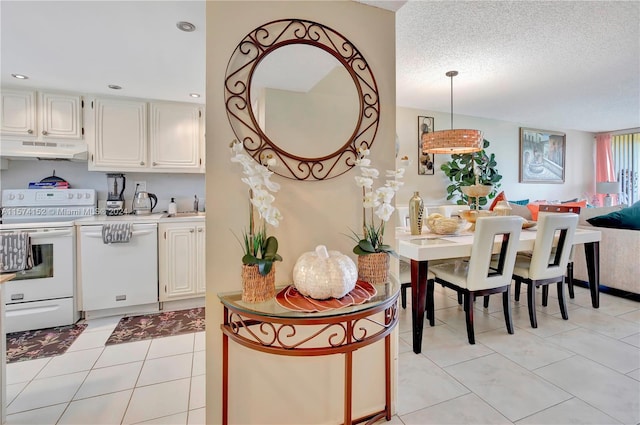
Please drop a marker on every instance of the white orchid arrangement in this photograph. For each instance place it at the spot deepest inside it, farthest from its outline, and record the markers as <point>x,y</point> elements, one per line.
<point>378,202</point>
<point>258,248</point>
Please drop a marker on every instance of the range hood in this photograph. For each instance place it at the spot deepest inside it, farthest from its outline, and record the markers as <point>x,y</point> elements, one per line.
<point>13,149</point>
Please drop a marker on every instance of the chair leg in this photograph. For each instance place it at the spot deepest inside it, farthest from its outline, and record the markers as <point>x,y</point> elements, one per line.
<point>506,306</point>
<point>516,295</point>
<point>430,303</point>
<point>459,298</point>
<point>403,294</point>
<point>531,301</point>
<point>570,279</point>
<point>486,301</point>
<point>545,295</point>
<point>468,309</point>
<point>562,301</point>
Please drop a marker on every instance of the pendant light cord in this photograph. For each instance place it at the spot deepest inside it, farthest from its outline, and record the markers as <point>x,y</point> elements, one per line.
<point>452,101</point>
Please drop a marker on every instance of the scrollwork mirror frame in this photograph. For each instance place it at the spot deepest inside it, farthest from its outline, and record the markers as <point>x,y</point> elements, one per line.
<point>253,48</point>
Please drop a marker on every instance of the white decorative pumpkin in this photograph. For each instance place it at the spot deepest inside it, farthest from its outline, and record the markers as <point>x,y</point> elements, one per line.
<point>323,274</point>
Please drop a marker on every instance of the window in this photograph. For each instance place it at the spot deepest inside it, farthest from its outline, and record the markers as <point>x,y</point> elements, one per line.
<point>626,161</point>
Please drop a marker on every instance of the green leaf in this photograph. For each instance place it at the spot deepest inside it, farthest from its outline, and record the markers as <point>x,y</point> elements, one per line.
<point>359,251</point>
<point>271,247</point>
<point>367,246</point>
<point>249,259</point>
<point>264,267</point>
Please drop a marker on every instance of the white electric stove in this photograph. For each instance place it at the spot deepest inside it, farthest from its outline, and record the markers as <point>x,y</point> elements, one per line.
<point>44,296</point>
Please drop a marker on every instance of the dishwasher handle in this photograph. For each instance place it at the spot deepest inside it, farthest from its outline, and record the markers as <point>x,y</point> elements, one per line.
<point>98,235</point>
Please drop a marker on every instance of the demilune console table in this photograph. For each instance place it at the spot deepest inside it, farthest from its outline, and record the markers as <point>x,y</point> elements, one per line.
<point>270,328</point>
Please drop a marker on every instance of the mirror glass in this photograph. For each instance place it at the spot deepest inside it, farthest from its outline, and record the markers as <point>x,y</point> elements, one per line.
<point>304,100</point>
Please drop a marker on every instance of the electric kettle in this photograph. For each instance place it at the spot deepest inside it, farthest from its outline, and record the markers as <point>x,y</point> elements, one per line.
<point>144,203</point>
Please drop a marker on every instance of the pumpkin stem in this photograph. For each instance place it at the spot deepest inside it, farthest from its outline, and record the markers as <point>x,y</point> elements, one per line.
<point>321,252</point>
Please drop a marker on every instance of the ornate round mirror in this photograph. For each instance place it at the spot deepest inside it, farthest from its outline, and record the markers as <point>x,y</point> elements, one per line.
<point>302,93</point>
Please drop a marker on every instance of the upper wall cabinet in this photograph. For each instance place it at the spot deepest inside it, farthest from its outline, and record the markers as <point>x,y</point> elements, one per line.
<point>140,136</point>
<point>29,115</point>
<point>175,131</point>
<point>120,135</point>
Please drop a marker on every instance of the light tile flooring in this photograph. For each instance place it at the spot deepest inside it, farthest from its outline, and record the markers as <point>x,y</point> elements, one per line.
<point>159,381</point>
<point>583,371</point>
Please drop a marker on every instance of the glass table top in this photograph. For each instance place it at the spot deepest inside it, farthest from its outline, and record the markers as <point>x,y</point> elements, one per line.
<point>271,308</point>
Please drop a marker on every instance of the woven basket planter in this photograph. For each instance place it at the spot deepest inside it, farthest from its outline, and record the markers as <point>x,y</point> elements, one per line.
<point>374,268</point>
<point>257,288</point>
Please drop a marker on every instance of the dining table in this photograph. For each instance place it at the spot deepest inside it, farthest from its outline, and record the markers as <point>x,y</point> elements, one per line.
<point>420,249</point>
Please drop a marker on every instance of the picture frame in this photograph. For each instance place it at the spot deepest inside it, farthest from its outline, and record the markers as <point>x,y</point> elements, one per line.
<point>426,161</point>
<point>542,156</point>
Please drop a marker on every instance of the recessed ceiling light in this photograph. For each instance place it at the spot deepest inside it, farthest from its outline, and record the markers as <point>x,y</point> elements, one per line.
<point>20,76</point>
<point>194,95</point>
<point>114,87</point>
<point>186,26</point>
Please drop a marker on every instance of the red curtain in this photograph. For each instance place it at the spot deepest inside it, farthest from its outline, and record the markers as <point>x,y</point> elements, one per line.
<point>605,171</point>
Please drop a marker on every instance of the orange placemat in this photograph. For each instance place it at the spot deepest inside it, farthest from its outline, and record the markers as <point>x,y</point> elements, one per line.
<point>291,299</point>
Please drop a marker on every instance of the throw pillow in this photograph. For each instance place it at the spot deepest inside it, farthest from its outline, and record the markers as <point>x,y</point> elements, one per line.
<point>521,210</point>
<point>534,207</point>
<point>501,197</point>
<point>626,218</point>
<point>520,202</point>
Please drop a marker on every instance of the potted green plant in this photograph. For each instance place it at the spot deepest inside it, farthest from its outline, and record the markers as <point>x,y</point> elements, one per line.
<point>463,169</point>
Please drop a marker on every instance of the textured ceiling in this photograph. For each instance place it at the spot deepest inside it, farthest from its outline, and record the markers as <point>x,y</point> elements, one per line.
<point>552,65</point>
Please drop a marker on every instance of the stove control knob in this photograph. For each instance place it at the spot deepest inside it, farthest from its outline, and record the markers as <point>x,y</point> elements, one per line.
<point>79,196</point>
<point>70,195</point>
<point>12,196</point>
<point>20,196</point>
<point>87,195</point>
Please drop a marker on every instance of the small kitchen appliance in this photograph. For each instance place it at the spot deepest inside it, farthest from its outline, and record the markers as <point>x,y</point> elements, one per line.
<point>144,203</point>
<point>115,194</point>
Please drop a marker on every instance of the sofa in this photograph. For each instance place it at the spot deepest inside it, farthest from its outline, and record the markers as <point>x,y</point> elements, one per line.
<point>619,254</point>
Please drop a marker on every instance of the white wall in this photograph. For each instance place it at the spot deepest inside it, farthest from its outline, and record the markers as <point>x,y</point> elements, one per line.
<point>164,185</point>
<point>504,138</point>
<point>267,388</point>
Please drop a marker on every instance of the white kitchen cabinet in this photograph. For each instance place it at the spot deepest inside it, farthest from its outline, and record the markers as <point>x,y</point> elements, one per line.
<point>182,260</point>
<point>176,136</point>
<point>60,116</point>
<point>119,135</point>
<point>140,136</point>
<point>18,113</point>
<point>52,116</point>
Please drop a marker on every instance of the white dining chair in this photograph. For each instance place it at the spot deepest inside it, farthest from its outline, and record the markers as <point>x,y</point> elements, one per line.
<point>478,276</point>
<point>548,261</point>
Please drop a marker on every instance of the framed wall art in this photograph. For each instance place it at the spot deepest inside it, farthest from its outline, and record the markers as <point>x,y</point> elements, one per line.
<point>426,163</point>
<point>542,156</point>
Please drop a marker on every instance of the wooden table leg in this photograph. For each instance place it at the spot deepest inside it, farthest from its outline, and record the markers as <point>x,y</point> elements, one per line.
<point>418,296</point>
<point>592,256</point>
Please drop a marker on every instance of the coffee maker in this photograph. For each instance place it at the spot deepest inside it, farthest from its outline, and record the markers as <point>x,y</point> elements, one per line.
<point>115,194</point>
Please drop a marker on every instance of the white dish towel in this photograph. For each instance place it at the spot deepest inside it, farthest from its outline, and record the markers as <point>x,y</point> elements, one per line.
<point>116,233</point>
<point>15,250</point>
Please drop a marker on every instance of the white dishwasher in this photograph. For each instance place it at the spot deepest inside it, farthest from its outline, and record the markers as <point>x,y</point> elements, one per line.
<point>117,275</point>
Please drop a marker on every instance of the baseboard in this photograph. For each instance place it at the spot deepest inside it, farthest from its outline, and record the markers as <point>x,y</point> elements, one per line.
<point>611,291</point>
<point>182,304</point>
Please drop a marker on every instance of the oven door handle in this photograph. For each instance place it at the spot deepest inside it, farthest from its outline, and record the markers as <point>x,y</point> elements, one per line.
<point>38,235</point>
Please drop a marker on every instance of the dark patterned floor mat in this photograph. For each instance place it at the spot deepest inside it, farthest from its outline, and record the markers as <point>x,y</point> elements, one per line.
<point>169,323</point>
<point>31,345</point>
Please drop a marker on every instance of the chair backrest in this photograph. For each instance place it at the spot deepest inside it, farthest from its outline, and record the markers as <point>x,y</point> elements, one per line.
<point>481,274</point>
<point>552,247</point>
<point>559,208</point>
<point>449,210</point>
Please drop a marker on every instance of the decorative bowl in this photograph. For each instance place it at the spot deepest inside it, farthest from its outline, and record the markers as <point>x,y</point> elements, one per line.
<point>472,215</point>
<point>476,190</point>
<point>441,225</point>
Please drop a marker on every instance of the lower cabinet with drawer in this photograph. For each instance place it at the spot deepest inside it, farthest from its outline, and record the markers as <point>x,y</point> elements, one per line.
<point>181,260</point>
